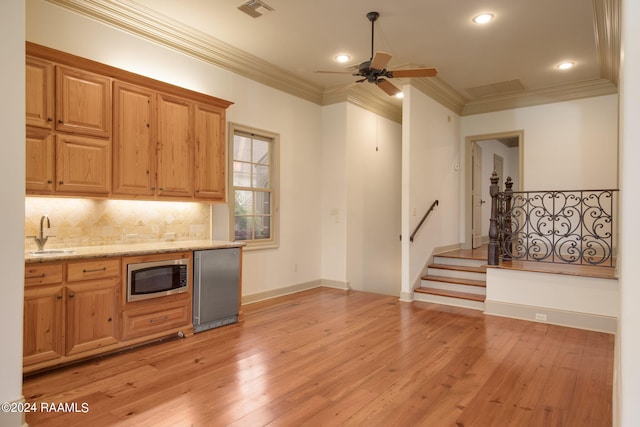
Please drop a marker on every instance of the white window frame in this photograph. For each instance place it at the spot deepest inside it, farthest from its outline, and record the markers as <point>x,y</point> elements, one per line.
<point>273,242</point>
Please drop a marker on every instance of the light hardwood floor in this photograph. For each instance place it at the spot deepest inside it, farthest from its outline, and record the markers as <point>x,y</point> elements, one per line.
<point>327,357</point>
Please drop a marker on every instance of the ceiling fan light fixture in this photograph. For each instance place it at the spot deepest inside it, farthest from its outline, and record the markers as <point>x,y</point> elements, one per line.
<point>342,58</point>
<point>400,95</point>
<point>483,18</point>
<point>566,65</point>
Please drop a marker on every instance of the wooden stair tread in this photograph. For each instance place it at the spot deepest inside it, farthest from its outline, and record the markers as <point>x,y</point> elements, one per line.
<point>451,294</point>
<point>473,269</point>
<point>455,280</point>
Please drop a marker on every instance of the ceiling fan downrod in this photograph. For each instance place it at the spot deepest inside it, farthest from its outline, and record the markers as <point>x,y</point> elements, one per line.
<point>372,16</point>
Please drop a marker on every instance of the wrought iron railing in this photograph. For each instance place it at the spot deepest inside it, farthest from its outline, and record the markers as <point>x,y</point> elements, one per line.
<point>571,227</point>
<point>433,206</point>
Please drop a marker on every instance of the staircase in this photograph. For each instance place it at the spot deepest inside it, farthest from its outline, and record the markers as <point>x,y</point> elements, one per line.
<point>456,278</point>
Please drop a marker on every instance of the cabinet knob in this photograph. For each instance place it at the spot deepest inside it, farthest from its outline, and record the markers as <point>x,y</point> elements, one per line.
<point>49,181</point>
<point>49,119</point>
<point>60,121</point>
<point>71,295</point>
<point>60,182</point>
<point>59,296</point>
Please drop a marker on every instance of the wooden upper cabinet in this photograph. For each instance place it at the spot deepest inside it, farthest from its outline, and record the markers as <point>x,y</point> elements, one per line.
<point>40,161</point>
<point>39,93</point>
<point>175,147</point>
<point>210,144</point>
<point>83,165</point>
<point>134,146</point>
<point>83,102</point>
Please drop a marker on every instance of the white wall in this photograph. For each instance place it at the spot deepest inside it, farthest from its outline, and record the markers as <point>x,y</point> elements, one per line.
<point>12,160</point>
<point>578,139</point>
<point>373,178</point>
<point>430,152</point>
<point>628,376</point>
<point>297,121</point>
<point>334,194</point>
<point>361,161</point>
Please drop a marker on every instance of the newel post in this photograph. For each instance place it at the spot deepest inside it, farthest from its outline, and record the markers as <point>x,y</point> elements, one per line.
<point>493,255</point>
<point>506,227</point>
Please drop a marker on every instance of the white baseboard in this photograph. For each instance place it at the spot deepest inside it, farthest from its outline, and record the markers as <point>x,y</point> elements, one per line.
<point>287,290</point>
<point>592,322</point>
<point>406,296</point>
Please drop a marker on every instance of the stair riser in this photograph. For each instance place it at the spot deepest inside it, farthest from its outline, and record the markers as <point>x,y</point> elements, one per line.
<point>457,274</point>
<point>456,302</point>
<point>455,287</point>
<point>459,261</point>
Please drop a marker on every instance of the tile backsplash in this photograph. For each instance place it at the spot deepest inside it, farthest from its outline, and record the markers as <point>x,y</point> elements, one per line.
<point>92,222</point>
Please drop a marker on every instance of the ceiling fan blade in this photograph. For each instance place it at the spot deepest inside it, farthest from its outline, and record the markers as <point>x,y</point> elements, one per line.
<point>388,87</point>
<point>417,72</point>
<point>380,61</point>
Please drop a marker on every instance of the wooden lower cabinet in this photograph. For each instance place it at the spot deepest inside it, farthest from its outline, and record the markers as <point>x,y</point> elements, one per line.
<point>76,309</point>
<point>69,310</point>
<point>43,330</point>
<point>91,315</point>
<point>155,318</point>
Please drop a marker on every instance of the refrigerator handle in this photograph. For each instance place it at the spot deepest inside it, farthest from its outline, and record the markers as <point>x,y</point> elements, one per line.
<point>197,283</point>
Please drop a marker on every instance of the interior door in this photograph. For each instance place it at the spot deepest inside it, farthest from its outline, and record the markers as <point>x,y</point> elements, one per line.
<point>476,196</point>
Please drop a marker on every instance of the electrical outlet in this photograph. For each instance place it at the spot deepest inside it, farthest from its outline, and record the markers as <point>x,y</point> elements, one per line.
<point>541,317</point>
<point>169,236</point>
<point>132,236</point>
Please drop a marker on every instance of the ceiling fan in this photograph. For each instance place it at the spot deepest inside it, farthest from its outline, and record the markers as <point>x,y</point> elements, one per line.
<point>375,69</point>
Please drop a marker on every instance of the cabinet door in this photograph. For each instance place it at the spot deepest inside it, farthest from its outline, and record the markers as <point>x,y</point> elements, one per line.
<point>83,102</point>
<point>134,154</point>
<point>40,161</point>
<point>43,336</point>
<point>83,165</point>
<point>175,147</point>
<point>91,311</point>
<point>39,93</point>
<point>210,159</point>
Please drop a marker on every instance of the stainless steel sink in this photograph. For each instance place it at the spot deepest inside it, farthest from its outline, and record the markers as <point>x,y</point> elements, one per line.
<point>46,252</point>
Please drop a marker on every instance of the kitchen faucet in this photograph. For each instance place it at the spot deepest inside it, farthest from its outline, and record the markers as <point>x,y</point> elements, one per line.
<point>41,239</point>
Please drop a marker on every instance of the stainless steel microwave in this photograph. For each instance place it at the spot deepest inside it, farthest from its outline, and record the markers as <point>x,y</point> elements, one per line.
<point>157,278</point>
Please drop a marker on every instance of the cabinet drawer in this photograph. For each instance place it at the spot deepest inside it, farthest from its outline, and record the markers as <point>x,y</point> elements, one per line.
<point>89,270</point>
<point>42,274</point>
<point>150,320</point>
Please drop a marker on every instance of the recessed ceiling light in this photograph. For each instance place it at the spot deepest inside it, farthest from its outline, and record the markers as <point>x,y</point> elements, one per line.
<point>342,58</point>
<point>566,65</point>
<point>400,95</point>
<point>483,18</point>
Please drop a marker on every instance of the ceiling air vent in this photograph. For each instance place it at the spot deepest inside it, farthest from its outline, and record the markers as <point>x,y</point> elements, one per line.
<point>255,8</point>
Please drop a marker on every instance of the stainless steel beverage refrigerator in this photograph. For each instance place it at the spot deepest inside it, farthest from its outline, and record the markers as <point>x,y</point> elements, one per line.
<point>216,284</point>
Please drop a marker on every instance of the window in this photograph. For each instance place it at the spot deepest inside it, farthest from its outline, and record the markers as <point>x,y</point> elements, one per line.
<point>253,156</point>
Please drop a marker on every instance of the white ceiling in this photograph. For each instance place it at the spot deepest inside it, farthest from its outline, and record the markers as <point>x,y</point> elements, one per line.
<point>524,42</point>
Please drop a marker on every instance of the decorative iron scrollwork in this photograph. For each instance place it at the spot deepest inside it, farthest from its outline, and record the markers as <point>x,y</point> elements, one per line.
<point>574,227</point>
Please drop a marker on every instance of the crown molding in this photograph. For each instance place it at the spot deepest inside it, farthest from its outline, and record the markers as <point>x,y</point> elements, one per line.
<point>606,21</point>
<point>440,92</point>
<point>375,100</point>
<point>148,24</point>
<point>568,92</point>
<point>163,30</point>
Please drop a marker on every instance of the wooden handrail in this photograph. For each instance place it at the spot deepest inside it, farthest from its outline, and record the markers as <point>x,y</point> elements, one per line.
<point>424,218</point>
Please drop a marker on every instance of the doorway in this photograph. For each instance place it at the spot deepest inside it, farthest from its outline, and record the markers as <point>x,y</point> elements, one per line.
<point>502,152</point>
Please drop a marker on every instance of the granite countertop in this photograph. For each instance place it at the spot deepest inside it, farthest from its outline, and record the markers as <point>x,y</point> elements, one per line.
<point>68,254</point>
